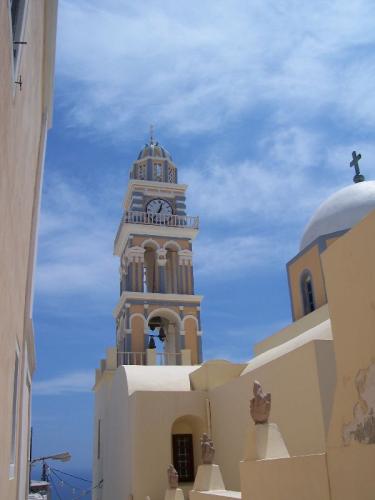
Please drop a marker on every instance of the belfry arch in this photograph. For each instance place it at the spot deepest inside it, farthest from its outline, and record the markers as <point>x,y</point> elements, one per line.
<point>165,325</point>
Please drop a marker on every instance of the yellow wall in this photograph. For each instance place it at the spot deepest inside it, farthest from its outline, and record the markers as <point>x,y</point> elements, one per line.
<point>22,135</point>
<point>351,472</point>
<point>297,403</point>
<point>350,280</point>
<point>296,478</point>
<point>310,260</point>
<point>137,449</point>
<point>329,241</point>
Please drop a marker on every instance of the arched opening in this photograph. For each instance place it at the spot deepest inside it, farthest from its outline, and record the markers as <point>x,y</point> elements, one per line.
<point>171,268</point>
<point>150,280</point>
<point>185,440</point>
<point>307,291</point>
<point>164,336</point>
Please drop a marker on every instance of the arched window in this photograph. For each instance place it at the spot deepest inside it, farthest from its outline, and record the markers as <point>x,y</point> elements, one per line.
<point>149,271</point>
<point>307,293</point>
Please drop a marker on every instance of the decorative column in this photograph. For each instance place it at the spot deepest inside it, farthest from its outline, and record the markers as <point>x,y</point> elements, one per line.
<point>185,262</point>
<point>123,273</point>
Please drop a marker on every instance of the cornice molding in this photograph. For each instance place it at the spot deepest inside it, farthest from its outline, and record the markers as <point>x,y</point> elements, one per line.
<point>174,298</point>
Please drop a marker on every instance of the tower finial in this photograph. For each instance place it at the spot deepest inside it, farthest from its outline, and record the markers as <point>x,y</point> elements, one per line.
<point>354,163</point>
<point>151,134</point>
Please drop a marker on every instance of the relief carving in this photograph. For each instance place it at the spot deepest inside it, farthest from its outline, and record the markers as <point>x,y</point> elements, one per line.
<point>362,427</point>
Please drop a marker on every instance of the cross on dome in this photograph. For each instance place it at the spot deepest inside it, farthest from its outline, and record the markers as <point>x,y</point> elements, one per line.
<point>354,163</point>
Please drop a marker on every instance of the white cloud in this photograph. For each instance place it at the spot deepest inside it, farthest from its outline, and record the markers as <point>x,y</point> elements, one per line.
<point>75,242</point>
<point>74,382</point>
<point>280,188</point>
<point>193,68</point>
<point>224,258</point>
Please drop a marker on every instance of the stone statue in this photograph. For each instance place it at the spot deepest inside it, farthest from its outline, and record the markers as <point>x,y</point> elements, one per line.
<point>260,405</point>
<point>208,449</point>
<point>172,477</point>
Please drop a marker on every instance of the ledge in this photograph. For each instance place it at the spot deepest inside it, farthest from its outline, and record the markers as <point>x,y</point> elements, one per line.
<point>157,297</point>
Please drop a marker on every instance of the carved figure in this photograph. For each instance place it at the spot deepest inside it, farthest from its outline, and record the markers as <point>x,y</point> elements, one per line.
<point>362,427</point>
<point>172,477</point>
<point>260,405</point>
<point>208,449</point>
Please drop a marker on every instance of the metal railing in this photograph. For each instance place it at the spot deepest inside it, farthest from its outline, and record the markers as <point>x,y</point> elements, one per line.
<point>132,217</point>
<point>131,358</point>
<point>168,358</point>
<point>140,358</point>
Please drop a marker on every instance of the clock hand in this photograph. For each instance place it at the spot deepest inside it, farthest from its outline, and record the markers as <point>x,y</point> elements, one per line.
<point>161,206</point>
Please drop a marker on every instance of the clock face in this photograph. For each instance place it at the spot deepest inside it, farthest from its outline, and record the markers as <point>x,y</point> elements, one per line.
<point>158,206</point>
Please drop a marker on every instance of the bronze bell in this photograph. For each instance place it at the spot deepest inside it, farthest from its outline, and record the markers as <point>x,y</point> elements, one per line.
<point>154,323</point>
<point>162,336</point>
<point>151,343</point>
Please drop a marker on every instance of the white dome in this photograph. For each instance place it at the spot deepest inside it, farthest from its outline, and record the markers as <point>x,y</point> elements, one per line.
<point>340,211</point>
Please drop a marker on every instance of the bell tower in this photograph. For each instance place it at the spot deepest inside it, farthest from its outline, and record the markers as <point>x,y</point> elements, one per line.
<point>158,314</point>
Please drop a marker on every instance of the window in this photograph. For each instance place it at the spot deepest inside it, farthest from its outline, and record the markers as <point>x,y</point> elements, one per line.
<point>171,174</point>
<point>17,10</point>
<point>149,271</point>
<point>158,172</point>
<point>141,174</point>
<point>145,285</point>
<point>13,435</point>
<point>183,457</point>
<point>307,293</point>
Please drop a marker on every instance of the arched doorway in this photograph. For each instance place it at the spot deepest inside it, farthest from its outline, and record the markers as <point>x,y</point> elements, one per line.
<point>185,443</point>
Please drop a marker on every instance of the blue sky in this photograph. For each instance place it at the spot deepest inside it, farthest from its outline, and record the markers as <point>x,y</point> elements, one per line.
<point>260,104</point>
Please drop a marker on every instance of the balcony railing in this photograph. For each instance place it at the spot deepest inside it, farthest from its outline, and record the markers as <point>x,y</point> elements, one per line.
<point>131,358</point>
<point>153,358</point>
<point>132,217</point>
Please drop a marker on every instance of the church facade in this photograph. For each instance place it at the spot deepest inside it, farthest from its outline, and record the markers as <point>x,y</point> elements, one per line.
<point>154,397</point>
